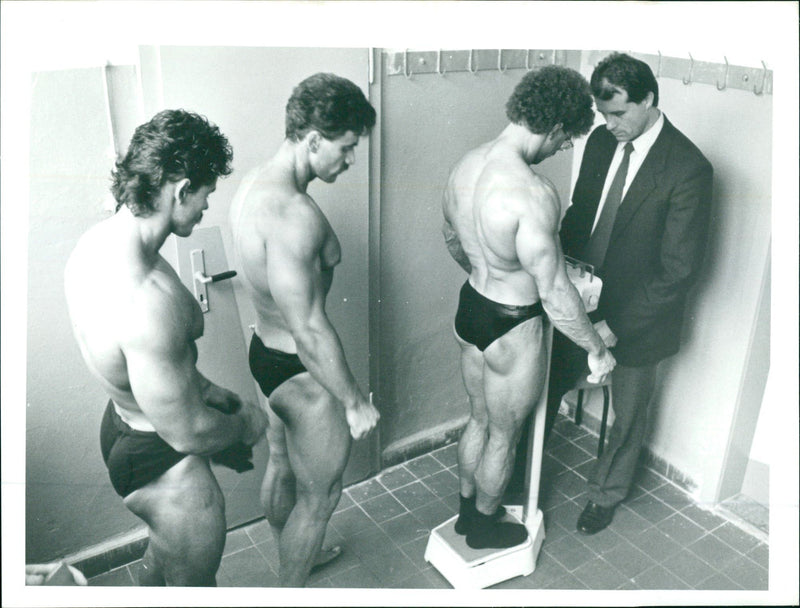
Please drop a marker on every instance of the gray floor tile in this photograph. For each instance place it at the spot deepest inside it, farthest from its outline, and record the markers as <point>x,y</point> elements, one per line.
<point>599,574</point>
<point>356,577</point>
<point>570,454</point>
<point>718,582</point>
<point>602,542</point>
<point>412,496</point>
<point>447,455</point>
<point>681,529</point>
<point>351,521</point>
<point>547,570</point>
<point>247,568</point>
<point>657,545</point>
<point>368,542</point>
<point>672,496</point>
<point>588,443</point>
<point>236,540</point>
<point>735,537</point>
<point>650,508</point>
<point>389,566</point>
<point>442,484</point>
<point>702,517</point>
<point>565,514</point>
<point>688,567</point>
<point>568,581</point>
<point>568,429</point>
<point>570,552</point>
<point>418,580</point>
<point>366,490</point>
<point>415,551</point>
<point>713,551</point>
<point>422,466</point>
<point>659,578</point>
<point>345,501</point>
<point>760,554</point>
<point>404,528</point>
<point>436,579</point>
<point>119,577</point>
<point>382,508</point>
<point>396,477</point>
<point>585,469</point>
<point>433,513</point>
<point>628,559</point>
<point>747,573</point>
<point>627,523</point>
<point>569,484</point>
<point>269,549</point>
<point>259,531</point>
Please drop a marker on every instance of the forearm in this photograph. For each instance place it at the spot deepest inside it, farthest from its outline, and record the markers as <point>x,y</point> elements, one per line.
<point>566,311</point>
<point>321,352</point>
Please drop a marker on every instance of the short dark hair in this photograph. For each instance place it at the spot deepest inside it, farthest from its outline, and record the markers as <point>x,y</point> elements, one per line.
<point>329,104</point>
<point>551,95</point>
<point>173,145</point>
<point>627,73</point>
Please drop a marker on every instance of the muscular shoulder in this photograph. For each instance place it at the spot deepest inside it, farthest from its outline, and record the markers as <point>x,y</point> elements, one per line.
<point>520,191</point>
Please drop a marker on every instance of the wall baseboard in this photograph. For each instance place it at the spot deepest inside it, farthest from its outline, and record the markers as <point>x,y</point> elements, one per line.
<point>422,442</point>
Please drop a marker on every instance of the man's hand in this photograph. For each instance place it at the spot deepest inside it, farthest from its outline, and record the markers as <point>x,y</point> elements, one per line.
<point>256,420</point>
<point>604,331</point>
<point>600,366</point>
<point>361,417</point>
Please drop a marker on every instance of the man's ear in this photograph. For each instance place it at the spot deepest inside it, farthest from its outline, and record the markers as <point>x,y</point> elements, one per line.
<point>181,189</point>
<point>313,139</point>
<point>555,131</point>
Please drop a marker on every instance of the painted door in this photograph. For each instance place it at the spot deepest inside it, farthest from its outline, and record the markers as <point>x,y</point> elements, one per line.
<point>222,353</point>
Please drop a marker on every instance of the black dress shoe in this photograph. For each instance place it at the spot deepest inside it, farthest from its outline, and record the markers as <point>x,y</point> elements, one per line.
<point>595,518</point>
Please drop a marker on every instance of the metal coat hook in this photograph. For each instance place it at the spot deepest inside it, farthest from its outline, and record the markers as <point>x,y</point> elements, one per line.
<point>528,60</point>
<point>724,84</point>
<point>554,57</point>
<point>763,81</point>
<point>469,63</point>
<point>691,70</point>
<point>500,67</point>
<point>406,73</point>
<point>439,69</point>
<point>658,69</point>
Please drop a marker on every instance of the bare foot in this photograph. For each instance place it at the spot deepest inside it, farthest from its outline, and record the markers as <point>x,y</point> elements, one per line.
<point>326,556</point>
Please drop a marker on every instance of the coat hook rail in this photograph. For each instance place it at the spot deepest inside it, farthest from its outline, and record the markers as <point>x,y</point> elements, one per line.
<point>416,63</point>
<point>720,74</point>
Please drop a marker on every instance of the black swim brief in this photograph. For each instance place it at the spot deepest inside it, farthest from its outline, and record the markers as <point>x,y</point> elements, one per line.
<point>481,321</point>
<point>134,458</point>
<point>271,367</point>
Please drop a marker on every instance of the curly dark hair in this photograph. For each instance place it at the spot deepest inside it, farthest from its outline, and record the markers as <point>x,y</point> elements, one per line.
<point>173,145</point>
<point>329,104</point>
<point>627,73</point>
<point>551,95</point>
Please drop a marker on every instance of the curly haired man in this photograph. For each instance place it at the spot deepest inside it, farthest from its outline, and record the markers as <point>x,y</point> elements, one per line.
<point>501,226</point>
<point>136,325</point>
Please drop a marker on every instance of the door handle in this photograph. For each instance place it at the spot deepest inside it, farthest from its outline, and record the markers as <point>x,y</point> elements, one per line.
<point>200,276</point>
<point>201,279</point>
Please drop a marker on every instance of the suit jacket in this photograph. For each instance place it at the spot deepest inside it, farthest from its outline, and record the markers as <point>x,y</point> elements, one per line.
<point>657,243</point>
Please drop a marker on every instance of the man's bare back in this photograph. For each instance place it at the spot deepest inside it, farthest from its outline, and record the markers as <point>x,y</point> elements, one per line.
<point>490,192</point>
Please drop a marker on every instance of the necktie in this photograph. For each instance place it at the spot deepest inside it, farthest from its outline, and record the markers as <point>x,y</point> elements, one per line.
<point>595,251</point>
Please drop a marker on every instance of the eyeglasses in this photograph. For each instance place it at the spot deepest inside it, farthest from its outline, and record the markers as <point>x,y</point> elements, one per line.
<point>566,145</point>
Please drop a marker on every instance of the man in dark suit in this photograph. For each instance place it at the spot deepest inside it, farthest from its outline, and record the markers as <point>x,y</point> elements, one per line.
<point>639,214</point>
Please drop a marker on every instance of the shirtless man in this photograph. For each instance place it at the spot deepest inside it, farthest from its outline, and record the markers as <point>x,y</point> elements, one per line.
<point>501,226</point>
<point>136,325</point>
<point>287,251</point>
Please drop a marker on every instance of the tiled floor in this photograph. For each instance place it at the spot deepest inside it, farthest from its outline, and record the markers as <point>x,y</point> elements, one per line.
<point>659,539</point>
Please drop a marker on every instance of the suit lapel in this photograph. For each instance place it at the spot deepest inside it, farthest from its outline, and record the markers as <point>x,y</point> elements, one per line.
<point>645,181</point>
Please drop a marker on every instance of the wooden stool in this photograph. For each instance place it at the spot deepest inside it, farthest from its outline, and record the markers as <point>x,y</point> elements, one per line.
<point>583,385</point>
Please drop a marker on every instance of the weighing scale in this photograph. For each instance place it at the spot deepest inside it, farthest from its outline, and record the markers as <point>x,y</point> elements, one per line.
<point>448,552</point>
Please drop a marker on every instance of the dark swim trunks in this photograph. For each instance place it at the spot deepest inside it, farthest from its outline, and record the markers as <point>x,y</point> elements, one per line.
<point>134,458</point>
<point>481,321</point>
<point>271,367</point>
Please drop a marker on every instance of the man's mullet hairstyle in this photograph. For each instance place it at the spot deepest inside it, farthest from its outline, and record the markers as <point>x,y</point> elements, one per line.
<point>173,145</point>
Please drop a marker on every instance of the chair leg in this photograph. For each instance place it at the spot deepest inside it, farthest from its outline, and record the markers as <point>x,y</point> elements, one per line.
<point>579,409</point>
<point>603,423</point>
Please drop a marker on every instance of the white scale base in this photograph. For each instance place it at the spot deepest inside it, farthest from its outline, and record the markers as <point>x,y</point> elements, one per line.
<point>467,568</point>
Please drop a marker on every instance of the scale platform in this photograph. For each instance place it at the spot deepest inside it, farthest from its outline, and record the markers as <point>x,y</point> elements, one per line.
<point>468,568</point>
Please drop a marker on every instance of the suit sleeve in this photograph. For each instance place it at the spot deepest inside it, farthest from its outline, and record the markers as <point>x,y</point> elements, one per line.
<point>681,253</point>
